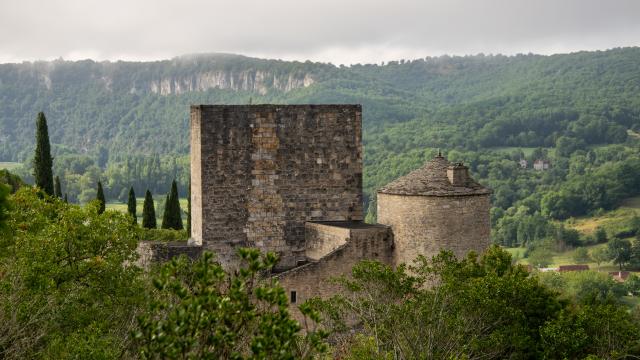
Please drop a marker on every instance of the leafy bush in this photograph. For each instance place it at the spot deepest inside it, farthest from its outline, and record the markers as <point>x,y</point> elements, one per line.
<point>485,307</point>
<point>584,287</point>
<point>68,289</point>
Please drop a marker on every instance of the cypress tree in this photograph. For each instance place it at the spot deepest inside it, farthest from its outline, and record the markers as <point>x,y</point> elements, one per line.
<point>42,161</point>
<point>66,198</point>
<point>131,205</point>
<point>148,212</point>
<point>57,189</point>
<point>166,214</point>
<point>189,211</point>
<point>100,197</point>
<point>171,218</point>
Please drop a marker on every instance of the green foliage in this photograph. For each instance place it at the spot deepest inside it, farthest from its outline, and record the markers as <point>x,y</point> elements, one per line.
<point>200,311</point>
<point>13,181</point>
<point>581,255</point>
<point>600,235</point>
<point>68,288</point>
<point>42,161</point>
<point>584,287</point>
<point>603,331</point>
<point>619,251</point>
<point>362,347</point>
<point>483,307</point>
<point>100,198</point>
<point>541,256</point>
<point>57,188</point>
<point>600,255</point>
<point>4,204</point>
<point>632,284</point>
<point>172,219</point>
<point>148,212</point>
<point>445,308</point>
<point>131,205</point>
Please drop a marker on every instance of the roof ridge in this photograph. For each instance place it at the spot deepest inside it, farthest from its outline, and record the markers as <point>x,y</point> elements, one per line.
<point>432,180</point>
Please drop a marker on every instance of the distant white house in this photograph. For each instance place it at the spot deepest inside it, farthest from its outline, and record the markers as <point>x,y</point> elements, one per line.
<point>541,165</point>
<point>524,163</point>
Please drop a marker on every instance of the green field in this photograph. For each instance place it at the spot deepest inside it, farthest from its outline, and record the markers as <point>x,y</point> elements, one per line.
<point>564,258</point>
<point>611,221</point>
<point>9,165</point>
<point>608,220</point>
<point>122,207</point>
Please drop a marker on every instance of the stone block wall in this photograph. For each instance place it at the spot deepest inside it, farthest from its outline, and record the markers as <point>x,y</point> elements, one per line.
<point>426,224</point>
<point>159,252</point>
<point>259,172</point>
<point>323,238</point>
<point>364,241</point>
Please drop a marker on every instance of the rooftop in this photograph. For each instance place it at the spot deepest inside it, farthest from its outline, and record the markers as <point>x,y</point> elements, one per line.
<point>432,180</point>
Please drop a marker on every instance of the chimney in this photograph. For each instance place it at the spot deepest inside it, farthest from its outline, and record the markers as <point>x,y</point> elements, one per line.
<point>458,174</point>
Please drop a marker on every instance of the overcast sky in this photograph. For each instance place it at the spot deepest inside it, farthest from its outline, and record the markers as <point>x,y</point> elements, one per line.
<point>337,31</point>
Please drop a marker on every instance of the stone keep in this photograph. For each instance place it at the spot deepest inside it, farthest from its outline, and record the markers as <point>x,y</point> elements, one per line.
<point>438,206</point>
<point>259,172</point>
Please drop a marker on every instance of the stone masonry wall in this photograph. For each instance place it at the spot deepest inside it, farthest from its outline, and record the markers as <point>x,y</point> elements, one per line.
<point>426,224</point>
<point>157,251</point>
<point>322,239</point>
<point>373,242</point>
<point>262,171</point>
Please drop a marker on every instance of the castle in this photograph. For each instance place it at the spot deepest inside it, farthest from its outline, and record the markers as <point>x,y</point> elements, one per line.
<point>288,179</point>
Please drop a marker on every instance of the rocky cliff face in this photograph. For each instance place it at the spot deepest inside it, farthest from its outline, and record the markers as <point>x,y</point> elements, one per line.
<point>168,77</point>
<point>247,80</point>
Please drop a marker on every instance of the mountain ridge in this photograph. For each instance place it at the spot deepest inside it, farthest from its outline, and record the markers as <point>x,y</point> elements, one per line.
<point>141,107</point>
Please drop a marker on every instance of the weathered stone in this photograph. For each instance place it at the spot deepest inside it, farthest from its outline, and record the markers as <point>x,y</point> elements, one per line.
<point>156,251</point>
<point>333,248</point>
<point>259,172</point>
<point>436,207</point>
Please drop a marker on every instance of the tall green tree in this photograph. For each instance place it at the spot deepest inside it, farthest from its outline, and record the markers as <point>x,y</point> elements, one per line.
<point>57,189</point>
<point>100,198</point>
<point>148,212</point>
<point>42,161</point>
<point>620,251</point>
<point>172,219</point>
<point>635,251</point>
<point>131,205</point>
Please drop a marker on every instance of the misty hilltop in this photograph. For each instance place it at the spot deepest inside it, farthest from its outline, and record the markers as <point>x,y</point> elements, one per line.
<point>123,107</point>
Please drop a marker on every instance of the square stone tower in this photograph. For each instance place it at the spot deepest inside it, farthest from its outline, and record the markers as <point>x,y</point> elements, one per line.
<point>259,172</point>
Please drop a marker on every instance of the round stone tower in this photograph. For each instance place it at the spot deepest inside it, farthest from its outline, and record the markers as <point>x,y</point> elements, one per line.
<point>438,206</point>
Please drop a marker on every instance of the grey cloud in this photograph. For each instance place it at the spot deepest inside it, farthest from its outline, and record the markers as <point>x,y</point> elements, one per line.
<point>328,30</point>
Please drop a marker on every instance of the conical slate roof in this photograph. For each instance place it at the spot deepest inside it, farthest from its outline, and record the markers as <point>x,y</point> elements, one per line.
<point>432,180</point>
